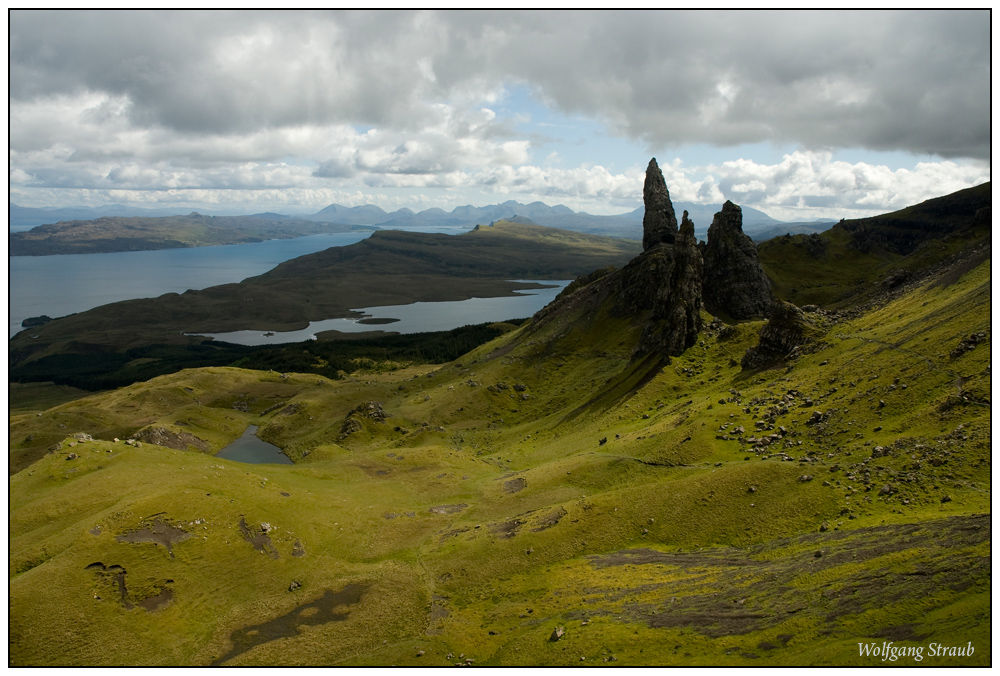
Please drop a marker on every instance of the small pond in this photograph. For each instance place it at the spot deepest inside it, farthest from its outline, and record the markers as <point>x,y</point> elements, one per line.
<point>250,448</point>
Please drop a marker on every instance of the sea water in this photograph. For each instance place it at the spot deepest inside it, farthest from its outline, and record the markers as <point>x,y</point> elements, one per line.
<point>61,285</point>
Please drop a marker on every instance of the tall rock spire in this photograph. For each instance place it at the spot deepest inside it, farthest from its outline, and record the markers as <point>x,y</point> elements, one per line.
<point>663,284</point>
<point>659,224</point>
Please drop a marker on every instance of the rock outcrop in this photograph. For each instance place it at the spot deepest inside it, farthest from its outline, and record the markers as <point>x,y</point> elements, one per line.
<point>733,283</point>
<point>659,224</point>
<point>787,329</point>
<point>161,436</point>
<point>354,422</point>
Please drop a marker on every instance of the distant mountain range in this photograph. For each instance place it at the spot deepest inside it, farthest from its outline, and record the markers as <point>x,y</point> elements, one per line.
<point>628,225</point>
<point>756,224</point>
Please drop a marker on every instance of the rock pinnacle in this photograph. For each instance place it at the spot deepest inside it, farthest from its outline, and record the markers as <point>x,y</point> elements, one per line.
<point>659,224</point>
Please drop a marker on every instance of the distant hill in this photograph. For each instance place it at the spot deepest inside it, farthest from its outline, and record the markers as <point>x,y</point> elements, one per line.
<point>29,217</point>
<point>762,233</point>
<point>144,233</point>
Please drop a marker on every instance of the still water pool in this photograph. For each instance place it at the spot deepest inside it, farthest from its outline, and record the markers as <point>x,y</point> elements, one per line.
<point>250,448</point>
<point>415,317</point>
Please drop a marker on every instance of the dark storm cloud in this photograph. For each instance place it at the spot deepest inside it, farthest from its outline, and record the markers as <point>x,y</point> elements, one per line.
<point>912,81</point>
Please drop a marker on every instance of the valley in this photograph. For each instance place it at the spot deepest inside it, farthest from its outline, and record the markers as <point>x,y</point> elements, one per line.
<point>669,465</point>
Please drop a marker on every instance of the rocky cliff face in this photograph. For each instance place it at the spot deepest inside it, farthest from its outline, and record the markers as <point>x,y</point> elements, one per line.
<point>659,224</point>
<point>733,283</point>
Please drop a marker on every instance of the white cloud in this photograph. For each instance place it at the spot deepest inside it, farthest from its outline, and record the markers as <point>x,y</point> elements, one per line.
<point>811,184</point>
<point>370,106</point>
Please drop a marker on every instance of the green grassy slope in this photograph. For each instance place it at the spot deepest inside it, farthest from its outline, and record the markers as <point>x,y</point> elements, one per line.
<point>544,480</point>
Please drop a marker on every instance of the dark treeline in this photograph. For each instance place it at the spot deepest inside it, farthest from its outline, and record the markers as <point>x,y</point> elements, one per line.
<point>329,358</point>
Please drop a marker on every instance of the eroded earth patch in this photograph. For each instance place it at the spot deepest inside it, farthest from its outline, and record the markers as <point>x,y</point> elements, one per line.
<point>158,532</point>
<point>320,611</point>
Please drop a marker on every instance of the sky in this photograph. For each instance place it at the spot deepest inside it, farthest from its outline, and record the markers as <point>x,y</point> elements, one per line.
<point>801,114</point>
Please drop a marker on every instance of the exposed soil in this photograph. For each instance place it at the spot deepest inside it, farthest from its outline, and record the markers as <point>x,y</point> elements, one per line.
<point>448,509</point>
<point>114,576</point>
<point>507,529</point>
<point>320,611</point>
<point>298,549</point>
<point>515,485</point>
<point>260,540</point>
<point>159,533</point>
<point>550,520</point>
<point>151,603</point>
<point>727,591</point>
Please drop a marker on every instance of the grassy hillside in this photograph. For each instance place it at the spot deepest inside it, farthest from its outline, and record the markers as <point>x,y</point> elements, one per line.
<point>546,499</point>
<point>856,260</point>
<point>141,233</point>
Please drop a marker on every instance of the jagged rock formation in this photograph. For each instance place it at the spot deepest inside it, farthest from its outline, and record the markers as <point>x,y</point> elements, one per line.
<point>665,279</point>
<point>661,287</point>
<point>659,224</point>
<point>734,282</point>
<point>787,329</point>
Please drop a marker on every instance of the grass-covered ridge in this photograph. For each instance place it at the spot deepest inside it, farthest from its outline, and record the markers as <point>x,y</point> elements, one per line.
<point>681,512</point>
<point>857,259</point>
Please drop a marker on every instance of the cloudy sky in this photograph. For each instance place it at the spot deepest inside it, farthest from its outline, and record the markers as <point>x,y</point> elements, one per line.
<point>800,114</point>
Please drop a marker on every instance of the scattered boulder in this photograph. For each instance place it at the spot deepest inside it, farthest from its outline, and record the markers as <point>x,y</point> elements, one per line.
<point>968,343</point>
<point>557,634</point>
<point>896,278</point>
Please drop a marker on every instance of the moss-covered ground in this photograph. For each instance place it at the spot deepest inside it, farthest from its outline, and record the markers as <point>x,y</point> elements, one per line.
<point>659,513</point>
